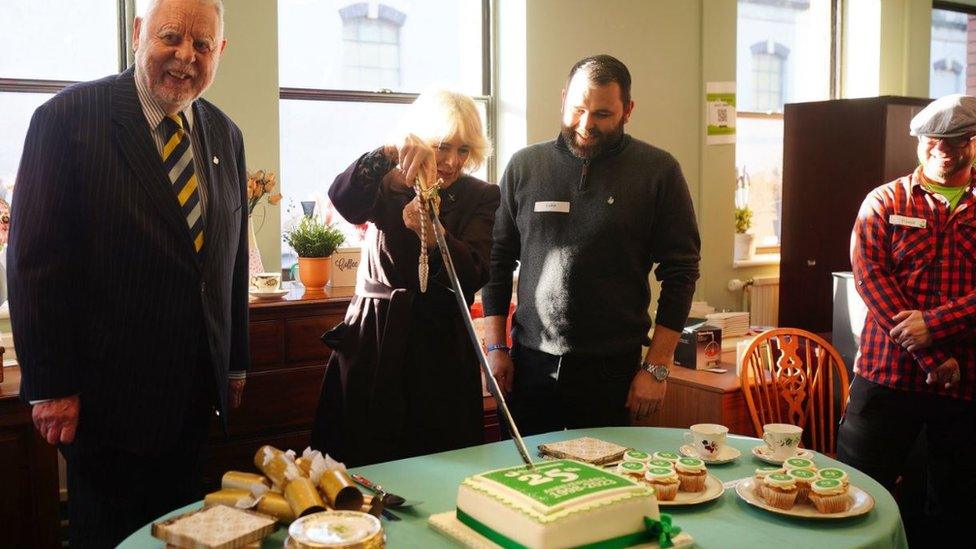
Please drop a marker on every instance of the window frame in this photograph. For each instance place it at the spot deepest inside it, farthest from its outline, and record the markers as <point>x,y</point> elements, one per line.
<point>834,68</point>
<point>126,14</point>
<point>388,96</point>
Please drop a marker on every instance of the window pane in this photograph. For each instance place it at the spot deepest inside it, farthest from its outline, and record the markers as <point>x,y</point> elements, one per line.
<point>59,39</point>
<point>426,42</point>
<point>320,139</point>
<point>759,151</point>
<point>788,43</point>
<point>17,109</point>
<point>949,61</point>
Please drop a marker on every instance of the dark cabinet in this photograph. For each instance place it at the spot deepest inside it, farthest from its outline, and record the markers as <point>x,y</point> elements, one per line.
<point>834,153</point>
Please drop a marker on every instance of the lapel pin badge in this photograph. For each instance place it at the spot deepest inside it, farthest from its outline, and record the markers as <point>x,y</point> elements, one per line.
<point>610,200</point>
<point>216,160</point>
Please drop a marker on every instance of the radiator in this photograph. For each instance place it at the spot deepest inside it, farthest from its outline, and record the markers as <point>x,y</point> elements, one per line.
<point>764,301</point>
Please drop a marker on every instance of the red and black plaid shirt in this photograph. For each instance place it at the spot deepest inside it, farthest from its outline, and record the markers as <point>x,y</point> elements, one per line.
<point>932,268</point>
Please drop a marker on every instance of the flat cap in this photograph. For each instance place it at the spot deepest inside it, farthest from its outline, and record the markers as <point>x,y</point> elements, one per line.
<point>949,116</point>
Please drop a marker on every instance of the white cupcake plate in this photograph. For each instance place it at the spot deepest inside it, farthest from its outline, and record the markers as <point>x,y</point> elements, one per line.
<point>761,453</point>
<point>861,503</point>
<point>713,490</point>
<point>726,455</point>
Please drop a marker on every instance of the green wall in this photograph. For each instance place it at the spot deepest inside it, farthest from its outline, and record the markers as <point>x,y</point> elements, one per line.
<point>246,88</point>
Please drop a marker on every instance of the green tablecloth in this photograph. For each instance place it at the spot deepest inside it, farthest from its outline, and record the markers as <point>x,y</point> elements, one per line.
<point>725,522</point>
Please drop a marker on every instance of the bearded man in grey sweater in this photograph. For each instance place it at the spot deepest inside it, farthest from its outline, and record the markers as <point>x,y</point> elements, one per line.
<point>587,216</point>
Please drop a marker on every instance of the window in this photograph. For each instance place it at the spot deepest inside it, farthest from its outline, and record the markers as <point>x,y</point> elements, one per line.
<point>348,71</point>
<point>371,46</point>
<point>768,63</point>
<point>951,34</point>
<point>81,41</point>
<point>783,55</point>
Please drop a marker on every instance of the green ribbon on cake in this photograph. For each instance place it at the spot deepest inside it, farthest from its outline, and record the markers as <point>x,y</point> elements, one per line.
<point>663,530</point>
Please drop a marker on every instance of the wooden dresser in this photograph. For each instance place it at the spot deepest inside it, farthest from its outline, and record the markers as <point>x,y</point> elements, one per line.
<point>29,469</point>
<point>288,362</point>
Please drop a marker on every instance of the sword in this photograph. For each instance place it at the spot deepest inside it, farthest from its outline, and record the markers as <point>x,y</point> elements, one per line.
<point>493,387</point>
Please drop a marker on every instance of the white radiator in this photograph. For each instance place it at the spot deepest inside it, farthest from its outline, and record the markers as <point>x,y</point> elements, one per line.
<point>764,301</point>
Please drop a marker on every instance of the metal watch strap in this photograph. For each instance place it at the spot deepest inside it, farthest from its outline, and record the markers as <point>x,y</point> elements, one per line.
<point>659,371</point>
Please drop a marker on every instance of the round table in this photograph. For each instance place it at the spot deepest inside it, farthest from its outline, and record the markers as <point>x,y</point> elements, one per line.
<point>725,522</point>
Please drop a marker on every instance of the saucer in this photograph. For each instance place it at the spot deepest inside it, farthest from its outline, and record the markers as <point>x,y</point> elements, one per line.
<point>268,295</point>
<point>727,454</point>
<point>761,453</point>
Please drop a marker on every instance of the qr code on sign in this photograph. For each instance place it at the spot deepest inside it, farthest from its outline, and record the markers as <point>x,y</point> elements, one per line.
<point>723,116</point>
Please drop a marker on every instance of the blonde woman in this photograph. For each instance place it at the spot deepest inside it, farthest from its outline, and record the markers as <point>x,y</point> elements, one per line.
<point>404,379</point>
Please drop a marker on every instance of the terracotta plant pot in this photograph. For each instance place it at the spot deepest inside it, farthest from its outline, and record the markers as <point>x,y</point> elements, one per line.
<point>314,271</point>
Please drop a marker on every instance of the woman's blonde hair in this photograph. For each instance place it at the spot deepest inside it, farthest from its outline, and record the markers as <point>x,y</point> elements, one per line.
<point>440,115</point>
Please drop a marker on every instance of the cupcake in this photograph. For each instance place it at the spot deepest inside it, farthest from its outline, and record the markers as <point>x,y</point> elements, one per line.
<point>834,474</point>
<point>780,490</point>
<point>803,478</point>
<point>761,475</point>
<point>692,473</point>
<point>799,463</point>
<point>631,469</point>
<point>664,481</point>
<point>829,495</point>
<point>636,455</point>
<point>666,456</point>
<point>661,463</point>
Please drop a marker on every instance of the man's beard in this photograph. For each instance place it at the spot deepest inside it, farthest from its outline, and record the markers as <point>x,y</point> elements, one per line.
<point>602,141</point>
<point>945,174</point>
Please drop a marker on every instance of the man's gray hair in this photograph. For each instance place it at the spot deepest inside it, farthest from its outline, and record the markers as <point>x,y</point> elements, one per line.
<point>218,4</point>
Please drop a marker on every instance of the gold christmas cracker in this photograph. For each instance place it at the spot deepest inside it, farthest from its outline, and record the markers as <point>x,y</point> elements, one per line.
<point>276,506</point>
<point>303,498</point>
<point>232,497</point>
<point>277,465</point>
<point>256,484</point>
<point>340,491</point>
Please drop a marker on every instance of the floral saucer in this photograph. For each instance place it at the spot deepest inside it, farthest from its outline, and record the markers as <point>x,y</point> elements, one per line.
<point>762,452</point>
<point>275,294</point>
<point>727,454</point>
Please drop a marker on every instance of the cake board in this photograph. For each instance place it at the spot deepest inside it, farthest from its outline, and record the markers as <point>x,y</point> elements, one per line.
<point>447,524</point>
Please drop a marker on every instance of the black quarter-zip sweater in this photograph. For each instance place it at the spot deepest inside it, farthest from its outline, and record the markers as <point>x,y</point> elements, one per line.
<point>587,234</point>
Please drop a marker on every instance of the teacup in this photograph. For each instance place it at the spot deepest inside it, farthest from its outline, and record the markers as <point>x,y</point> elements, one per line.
<point>265,282</point>
<point>781,439</point>
<point>707,439</point>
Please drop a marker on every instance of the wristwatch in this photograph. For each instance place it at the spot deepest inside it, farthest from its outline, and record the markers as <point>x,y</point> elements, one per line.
<point>659,371</point>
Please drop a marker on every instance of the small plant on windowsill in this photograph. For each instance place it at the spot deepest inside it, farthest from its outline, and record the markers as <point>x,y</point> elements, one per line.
<point>314,242</point>
<point>743,220</point>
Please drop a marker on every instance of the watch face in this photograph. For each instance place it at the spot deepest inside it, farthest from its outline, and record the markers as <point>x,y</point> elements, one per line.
<point>661,372</point>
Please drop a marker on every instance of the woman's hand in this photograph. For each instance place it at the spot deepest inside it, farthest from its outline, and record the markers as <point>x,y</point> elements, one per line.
<point>411,218</point>
<point>416,158</point>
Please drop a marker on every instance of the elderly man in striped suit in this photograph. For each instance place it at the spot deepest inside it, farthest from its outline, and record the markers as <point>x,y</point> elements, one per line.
<point>128,273</point>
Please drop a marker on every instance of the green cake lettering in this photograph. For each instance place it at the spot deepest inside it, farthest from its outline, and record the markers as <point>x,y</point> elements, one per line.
<point>803,473</point>
<point>831,473</point>
<point>799,462</point>
<point>636,466</point>
<point>636,454</point>
<point>827,483</point>
<point>557,482</point>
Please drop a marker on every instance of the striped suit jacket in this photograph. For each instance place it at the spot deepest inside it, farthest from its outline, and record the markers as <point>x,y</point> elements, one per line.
<point>107,297</point>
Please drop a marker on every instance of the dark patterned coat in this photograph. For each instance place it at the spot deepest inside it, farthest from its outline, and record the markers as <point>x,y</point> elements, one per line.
<point>404,379</point>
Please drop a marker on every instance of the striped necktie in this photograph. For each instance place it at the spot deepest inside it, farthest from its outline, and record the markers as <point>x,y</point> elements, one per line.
<point>178,162</point>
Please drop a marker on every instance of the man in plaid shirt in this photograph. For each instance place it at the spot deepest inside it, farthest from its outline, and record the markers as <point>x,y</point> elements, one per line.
<point>913,251</point>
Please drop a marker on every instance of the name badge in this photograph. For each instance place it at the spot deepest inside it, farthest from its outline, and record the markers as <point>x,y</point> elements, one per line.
<point>559,207</point>
<point>906,221</point>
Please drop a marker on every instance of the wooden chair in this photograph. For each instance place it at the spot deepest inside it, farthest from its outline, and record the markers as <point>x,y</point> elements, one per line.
<point>793,376</point>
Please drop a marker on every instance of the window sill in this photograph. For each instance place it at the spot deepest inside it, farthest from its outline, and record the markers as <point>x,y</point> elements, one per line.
<point>757,261</point>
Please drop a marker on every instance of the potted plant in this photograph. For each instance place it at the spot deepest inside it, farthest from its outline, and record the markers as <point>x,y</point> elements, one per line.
<point>314,242</point>
<point>743,240</point>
